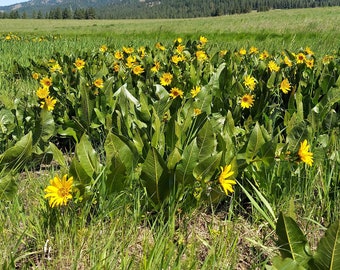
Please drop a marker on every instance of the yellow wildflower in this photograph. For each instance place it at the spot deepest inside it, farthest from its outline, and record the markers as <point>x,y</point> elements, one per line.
<point>310,63</point>
<point>128,50</point>
<point>48,103</point>
<point>203,40</point>
<point>253,50</point>
<point>166,79</point>
<point>273,67</point>
<point>227,184</point>
<point>176,59</point>
<point>116,67</point>
<point>176,92</point>
<point>300,58</point>
<point>43,92</point>
<point>141,51</point>
<point>99,83</point>
<point>327,59</point>
<point>35,76</point>
<point>250,82</point>
<point>247,101</point>
<point>287,61</point>
<point>178,40</point>
<point>119,55</point>
<point>197,111</point>
<point>304,154</point>
<point>242,51</point>
<point>79,64</point>
<point>194,92</point>
<point>285,86</point>
<point>180,48</point>
<point>56,68</point>
<point>201,56</point>
<point>156,67</point>
<point>308,51</point>
<point>103,48</point>
<point>223,52</point>
<point>59,191</point>
<point>264,55</point>
<point>46,82</point>
<point>159,46</point>
<point>138,70</point>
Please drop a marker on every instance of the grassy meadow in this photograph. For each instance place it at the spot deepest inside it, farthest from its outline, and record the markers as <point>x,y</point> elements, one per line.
<point>204,143</point>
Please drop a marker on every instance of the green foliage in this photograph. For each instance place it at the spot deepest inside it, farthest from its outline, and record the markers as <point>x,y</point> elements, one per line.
<point>129,131</point>
<point>328,252</point>
<point>295,251</point>
<point>163,148</point>
<point>292,241</point>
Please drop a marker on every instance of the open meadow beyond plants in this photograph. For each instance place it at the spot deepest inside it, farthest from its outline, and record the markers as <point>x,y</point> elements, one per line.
<point>207,143</point>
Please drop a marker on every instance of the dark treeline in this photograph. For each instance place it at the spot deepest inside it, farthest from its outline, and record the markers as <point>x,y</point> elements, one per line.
<point>56,13</point>
<point>143,9</point>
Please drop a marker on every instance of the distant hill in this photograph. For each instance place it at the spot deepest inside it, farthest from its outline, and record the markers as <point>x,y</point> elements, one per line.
<point>125,9</point>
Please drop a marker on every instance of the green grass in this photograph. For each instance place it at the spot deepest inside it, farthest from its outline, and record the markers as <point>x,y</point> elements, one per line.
<point>122,234</point>
<point>274,30</point>
<point>123,238</point>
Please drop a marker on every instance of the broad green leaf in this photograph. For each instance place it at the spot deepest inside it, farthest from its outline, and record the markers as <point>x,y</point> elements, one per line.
<point>6,121</point>
<point>16,156</point>
<point>157,139</point>
<point>8,187</point>
<point>100,116</point>
<point>324,106</point>
<point>206,168</point>
<point>87,105</point>
<point>327,255</point>
<point>267,153</point>
<point>68,132</point>
<point>255,143</point>
<point>161,92</point>
<point>285,264</point>
<point>215,79</point>
<point>185,168</point>
<point>171,130</point>
<point>225,77</point>
<point>125,95</point>
<point>45,128</point>
<point>144,107</point>
<point>230,124</point>
<point>291,240</point>
<point>78,172</point>
<point>58,156</point>
<point>163,104</point>
<point>173,158</point>
<point>126,110</point>
<point>296,131</point>
<point>271,80</point>
<point>206,141</point>
<point>116,148</point>
<point>87,156</point>
<point>116,177</point>
<point>299,105</point>
<point>204,99</point>
<point>154,171</point>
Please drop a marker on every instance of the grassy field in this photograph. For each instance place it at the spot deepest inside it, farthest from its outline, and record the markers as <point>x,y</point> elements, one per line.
<point>274,30</point>
<point>125,230</point>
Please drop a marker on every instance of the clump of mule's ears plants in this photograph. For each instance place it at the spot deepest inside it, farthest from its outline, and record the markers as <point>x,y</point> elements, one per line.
<point>183,123</point>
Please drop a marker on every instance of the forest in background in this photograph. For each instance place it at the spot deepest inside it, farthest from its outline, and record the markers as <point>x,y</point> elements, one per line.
<point>136,9</point>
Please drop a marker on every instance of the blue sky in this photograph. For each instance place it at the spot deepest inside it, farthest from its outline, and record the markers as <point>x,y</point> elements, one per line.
<point>10,2</point>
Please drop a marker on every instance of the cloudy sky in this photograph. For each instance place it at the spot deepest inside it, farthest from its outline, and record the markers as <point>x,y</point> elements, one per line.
<point>10,2</point>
